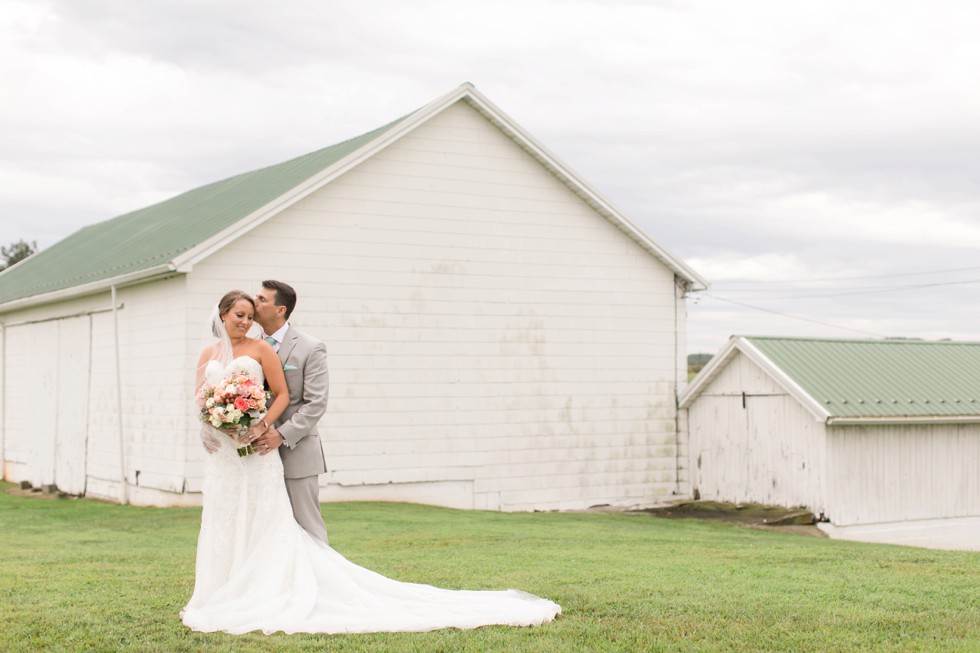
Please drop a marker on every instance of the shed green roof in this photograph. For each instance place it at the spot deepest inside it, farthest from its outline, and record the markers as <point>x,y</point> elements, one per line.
<point>155,235</point>
<point>881,378</point>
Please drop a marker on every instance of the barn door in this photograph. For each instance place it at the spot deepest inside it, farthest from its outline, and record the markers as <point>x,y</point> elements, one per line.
<point>71,439</point>
<point>31,398</point>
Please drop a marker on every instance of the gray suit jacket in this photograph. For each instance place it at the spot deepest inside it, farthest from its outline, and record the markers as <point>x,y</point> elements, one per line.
<point>304,363</point>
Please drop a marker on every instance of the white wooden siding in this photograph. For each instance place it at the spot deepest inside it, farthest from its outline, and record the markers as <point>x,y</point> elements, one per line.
<point>103,422</point>
<point>494,343</point>
<point>768,451</point>
<point>61,422</point>
<point>897,473</point>
<point>72,400</point>
<point>157,400</point>
<point>488,332</point>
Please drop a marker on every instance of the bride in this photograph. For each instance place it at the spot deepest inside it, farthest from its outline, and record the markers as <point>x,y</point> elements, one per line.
<point>257,569</point>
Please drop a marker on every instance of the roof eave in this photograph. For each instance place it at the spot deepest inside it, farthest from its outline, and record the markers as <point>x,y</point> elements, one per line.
<point>707,374</point>
<point>498,118</point>
<point>896,420</point>
<point>743,345</point>
<point>591,196</point>
<point>186,261</point>
<point>812,405</point>
<point>92,288</point>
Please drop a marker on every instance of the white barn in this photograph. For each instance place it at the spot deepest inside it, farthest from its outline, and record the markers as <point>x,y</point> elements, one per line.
<point>859,431</point>
<point>499,335</point>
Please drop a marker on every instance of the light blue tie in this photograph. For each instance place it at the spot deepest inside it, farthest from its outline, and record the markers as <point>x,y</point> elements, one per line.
<point>272,341</point>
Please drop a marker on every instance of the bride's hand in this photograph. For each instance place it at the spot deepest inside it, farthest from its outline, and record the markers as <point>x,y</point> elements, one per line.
<point>209,440</point>
<point>253,433</point>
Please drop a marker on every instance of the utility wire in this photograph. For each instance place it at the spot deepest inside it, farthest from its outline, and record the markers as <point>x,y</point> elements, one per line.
<point>806,293</point>
<point>858,278</point>
<point>794,317</point>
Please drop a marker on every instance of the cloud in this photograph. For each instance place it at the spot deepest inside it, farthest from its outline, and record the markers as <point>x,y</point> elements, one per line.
<point>766,141</point>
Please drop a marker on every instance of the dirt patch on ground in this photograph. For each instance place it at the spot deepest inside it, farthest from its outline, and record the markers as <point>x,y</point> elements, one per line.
<point>751,515</point>
<point>44,492</point>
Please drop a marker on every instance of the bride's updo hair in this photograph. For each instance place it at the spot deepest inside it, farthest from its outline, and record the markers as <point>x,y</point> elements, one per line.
<point>231,298</point>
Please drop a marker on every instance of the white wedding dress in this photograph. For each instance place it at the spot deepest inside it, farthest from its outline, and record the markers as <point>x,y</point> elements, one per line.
<point>257,569</point>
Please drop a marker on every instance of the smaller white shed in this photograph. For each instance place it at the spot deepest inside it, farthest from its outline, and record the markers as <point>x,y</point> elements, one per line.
<point>859,431</point>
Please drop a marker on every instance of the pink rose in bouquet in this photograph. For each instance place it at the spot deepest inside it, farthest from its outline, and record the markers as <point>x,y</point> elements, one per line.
<point>235,402</point>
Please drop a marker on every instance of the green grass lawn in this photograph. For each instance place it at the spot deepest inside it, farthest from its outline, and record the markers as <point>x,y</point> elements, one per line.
<point>88,576</point>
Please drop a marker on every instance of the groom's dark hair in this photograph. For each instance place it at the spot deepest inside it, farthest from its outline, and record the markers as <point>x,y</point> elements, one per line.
<point>285,295</point>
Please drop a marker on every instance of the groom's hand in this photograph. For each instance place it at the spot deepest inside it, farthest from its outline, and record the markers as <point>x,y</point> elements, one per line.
<point>268,441</point>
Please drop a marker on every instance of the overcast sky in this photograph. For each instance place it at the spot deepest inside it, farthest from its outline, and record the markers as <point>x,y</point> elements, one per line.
<point>817,162</point>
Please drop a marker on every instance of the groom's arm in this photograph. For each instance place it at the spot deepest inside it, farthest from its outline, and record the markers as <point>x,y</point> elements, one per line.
<point>316,385</point>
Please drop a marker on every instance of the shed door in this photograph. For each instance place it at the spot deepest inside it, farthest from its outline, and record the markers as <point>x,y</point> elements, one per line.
<point>720,446</point>
<point>73,392</point>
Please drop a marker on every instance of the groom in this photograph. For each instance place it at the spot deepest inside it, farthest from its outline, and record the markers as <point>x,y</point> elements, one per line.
<point>304,362</point>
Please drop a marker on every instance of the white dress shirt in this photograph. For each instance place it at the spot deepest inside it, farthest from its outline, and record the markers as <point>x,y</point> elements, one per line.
<point>279,335</point>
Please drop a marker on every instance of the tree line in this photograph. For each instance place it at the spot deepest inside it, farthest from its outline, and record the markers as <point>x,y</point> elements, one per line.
<point>16,252</point>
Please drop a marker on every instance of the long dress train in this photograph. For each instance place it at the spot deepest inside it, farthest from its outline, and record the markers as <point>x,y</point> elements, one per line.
<point>257,569</point>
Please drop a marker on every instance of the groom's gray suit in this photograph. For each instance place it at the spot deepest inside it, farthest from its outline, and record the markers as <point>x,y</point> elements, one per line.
<point>304,363</point>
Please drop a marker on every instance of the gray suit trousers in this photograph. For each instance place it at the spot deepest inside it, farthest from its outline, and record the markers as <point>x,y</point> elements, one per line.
<point>304,495</point>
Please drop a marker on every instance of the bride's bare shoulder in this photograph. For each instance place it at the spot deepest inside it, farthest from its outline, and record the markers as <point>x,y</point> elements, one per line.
<point>262,351</point>
<point>257,347</point>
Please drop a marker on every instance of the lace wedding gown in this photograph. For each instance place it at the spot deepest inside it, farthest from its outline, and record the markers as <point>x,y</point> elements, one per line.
<point>257,569</point>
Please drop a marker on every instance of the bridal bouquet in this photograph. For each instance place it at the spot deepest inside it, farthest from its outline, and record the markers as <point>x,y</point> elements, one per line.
<point>236,402</point>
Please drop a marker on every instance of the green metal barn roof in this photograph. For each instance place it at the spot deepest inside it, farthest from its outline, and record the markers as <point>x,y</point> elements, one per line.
<point>155,235</point>
<point>881,378</point>
<point>865,380</point>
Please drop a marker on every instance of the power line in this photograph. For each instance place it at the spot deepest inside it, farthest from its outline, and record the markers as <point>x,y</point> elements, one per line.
<point>794,317</point>
<point>808,293</point>
<point>859,278</point>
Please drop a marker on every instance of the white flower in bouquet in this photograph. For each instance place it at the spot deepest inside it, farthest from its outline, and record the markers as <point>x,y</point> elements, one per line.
<point>236,402</point>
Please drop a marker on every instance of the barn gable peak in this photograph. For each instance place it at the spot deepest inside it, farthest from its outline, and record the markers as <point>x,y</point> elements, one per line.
<point>173,235</point>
